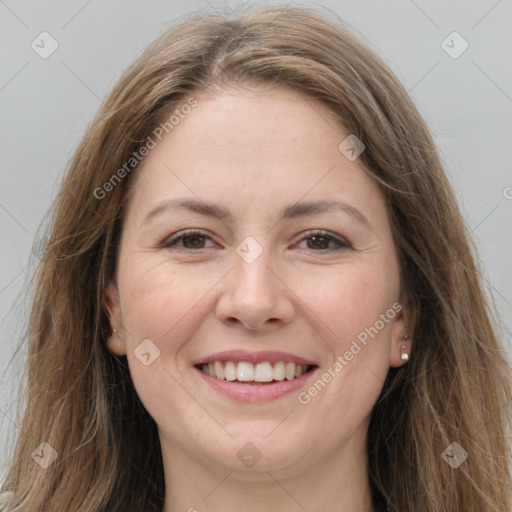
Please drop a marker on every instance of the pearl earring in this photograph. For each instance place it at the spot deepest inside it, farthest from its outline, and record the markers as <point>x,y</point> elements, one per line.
<point>404,356</point>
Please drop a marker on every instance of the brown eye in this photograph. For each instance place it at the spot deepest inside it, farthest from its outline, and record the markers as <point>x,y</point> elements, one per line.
<point>196,241</point>
<point>320,240</point>
<point>317,241</point>
<point>190,239</point>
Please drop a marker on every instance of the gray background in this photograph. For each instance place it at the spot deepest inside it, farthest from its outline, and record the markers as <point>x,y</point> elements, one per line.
<point>46,105</point>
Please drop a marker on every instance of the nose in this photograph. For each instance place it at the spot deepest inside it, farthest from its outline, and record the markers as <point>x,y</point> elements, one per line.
<point>254,296</point>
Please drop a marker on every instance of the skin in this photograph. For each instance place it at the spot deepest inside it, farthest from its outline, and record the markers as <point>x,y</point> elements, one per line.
<point>255,152</point>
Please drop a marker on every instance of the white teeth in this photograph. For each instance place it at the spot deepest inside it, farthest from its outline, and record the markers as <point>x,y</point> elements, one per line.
<point>279,371</point>
<point>263,372</point>
<point>230,371</point>
<point>245,372</point>
<point>218,370</point>
<point>290,371</point>
<point>248,372</point>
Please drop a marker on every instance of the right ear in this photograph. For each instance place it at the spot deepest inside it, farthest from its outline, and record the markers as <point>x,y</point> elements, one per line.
<point>115,342</point>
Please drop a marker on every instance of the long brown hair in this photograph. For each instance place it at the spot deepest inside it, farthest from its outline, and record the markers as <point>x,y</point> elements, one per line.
<point>79,398</point>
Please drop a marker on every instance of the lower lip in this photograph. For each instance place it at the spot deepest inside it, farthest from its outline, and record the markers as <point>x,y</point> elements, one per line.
<point>256,392</point>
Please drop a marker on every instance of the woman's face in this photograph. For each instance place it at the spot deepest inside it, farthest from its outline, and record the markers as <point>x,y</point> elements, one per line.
<point>255,282</point>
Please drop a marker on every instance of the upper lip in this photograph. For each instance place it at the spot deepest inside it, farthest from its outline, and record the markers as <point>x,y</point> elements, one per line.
<point>271,356</point>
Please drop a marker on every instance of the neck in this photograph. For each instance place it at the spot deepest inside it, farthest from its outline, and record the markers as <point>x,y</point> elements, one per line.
<point>337,483</point>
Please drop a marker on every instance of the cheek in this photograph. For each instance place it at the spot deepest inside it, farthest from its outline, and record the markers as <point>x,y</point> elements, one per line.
<point>159,296</point>
<point>161,303</point>
<point>350,300</point>
<point>356,306</point>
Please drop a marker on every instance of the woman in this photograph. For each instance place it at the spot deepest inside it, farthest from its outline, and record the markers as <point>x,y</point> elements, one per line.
<point>258,291</point>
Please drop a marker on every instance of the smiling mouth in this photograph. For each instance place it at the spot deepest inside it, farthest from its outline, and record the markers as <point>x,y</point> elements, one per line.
<point>260,373</point>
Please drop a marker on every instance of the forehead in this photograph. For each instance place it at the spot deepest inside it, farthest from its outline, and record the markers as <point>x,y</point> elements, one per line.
<point>254,148</point>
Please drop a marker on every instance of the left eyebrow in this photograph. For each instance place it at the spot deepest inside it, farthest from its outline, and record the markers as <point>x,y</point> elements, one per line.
<point>289,212</point>
<point>302,209</point>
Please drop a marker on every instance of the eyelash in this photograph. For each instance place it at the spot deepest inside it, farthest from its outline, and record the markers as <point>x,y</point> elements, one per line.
<point>169,243</point>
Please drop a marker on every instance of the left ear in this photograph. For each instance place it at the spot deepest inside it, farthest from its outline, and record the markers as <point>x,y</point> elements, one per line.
<point>402,335</point>
<point>115,342</point>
